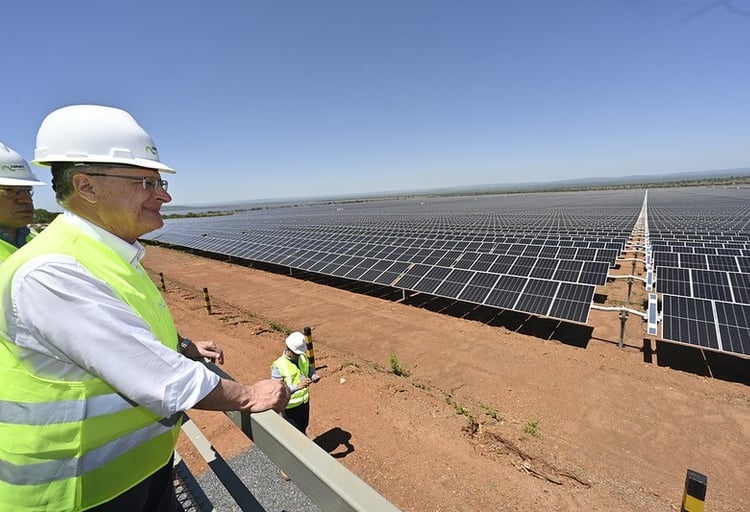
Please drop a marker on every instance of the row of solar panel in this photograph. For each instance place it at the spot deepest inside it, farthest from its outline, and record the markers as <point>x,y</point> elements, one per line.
<point>736,249</point>
<point>691,242</point>
<point>564,300</point>
<point>681,237</point>
<point>726,263</point>
<point>707,323</point>
<point>586,250</point>
<point>486,243</point>
<point>570,268</point>
<point>704,284</point>
<point>566,267</point>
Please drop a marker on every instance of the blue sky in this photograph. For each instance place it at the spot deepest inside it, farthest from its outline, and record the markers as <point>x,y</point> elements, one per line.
<point>258,100</point>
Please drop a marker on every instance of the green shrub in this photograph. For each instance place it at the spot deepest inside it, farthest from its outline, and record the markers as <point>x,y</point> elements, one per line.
<point>396,367</point>
<point>532,427</point>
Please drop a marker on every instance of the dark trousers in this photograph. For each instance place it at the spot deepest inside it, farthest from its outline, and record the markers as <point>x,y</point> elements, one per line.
<point>298,416</point>
<point>155,494</point>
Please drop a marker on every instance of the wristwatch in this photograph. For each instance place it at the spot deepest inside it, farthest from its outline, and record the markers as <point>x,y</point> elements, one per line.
<point>184,343</point>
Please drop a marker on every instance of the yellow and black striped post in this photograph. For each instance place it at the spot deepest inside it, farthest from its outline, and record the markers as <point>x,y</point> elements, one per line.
<point>694,495</point>
<point>207,299</point>
<point>308,340</point>
<point>161,276</point>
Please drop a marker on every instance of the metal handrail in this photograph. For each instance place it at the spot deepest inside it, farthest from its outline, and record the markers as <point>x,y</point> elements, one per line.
<point>327,482</point>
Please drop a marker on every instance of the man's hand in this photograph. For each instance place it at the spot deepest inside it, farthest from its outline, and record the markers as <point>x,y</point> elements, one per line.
<point>267,394</point>
<point>208,349</point>
<point>230,395</point>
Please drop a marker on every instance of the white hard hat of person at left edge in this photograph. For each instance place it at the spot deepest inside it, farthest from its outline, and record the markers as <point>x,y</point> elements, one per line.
<point>14,170</point>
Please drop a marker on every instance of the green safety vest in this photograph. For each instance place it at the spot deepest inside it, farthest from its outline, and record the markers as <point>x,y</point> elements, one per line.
<point>292,375</point>
<point>69,445</point>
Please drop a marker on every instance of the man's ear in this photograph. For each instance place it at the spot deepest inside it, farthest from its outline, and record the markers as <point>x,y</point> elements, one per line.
<point>85,188</point>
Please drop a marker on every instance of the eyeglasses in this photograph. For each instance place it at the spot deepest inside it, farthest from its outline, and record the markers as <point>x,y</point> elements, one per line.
<point>17,192</point>
<point>149,182</point>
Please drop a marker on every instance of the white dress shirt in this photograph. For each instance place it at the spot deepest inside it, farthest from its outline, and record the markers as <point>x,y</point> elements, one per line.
<point>68,322</point>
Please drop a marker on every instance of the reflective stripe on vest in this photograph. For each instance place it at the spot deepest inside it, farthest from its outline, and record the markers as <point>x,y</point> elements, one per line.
<point>292,375</point>
<point>74,444</point>
<point>58,469</point>
<point>45,413</point>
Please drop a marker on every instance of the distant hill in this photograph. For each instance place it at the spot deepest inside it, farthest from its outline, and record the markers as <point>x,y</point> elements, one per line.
<point>674,179</point>
<point>610,181</point>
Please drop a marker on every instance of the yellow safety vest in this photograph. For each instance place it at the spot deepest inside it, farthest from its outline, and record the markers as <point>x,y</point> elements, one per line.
<point>292,375</point>
<point>6,249</point>
<point>69,445</point>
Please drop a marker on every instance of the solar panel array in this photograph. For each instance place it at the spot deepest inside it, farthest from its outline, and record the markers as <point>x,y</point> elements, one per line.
<point>542,254</point>
<point>700,241</point>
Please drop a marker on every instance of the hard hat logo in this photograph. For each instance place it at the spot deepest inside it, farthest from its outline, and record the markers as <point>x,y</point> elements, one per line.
<point>152,150</point>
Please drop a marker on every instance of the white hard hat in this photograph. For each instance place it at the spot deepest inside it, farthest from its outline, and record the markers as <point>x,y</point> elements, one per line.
<point>14,171</point>
<point>96,134</point>
<point>296,343</point>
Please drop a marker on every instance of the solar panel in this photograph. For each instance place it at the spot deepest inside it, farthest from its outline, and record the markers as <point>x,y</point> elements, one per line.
<point>522,266</point>
<point>594,272</point>
<point>740,287</point>
<point>537,296</point>
<point>573,302</point>
<point>506,292</point>
<point>432,279</point>
<point>734,327</point>
<point>711,285</point>
<point>478,287</point>
<point>454,283</point>
<point>391,273</point>
<point>568,271</point>
<point>544,268</point>
<point>412,276</point>
<point>673,281</point>
<point>689,321</point>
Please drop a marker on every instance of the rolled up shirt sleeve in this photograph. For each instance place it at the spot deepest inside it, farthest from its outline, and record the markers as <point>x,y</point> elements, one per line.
<point>70,323</point>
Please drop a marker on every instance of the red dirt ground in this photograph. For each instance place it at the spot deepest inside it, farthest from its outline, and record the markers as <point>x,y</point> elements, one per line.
<point>615,433</point>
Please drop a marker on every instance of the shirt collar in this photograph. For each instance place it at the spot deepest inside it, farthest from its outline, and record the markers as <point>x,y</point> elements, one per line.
<point>132,253</point>
<point>21,234</point>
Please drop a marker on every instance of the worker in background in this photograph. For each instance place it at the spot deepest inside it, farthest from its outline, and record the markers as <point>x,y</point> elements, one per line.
<point>16,203</point>
<point>293,367</point>
<point>93,375</point>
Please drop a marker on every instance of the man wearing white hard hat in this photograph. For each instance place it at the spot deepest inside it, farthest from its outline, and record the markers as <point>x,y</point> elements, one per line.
<point>16,203</point>
<point>93,375</point>
<point>294,368</point>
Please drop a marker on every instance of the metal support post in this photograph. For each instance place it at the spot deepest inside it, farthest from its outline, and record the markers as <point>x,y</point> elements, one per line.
<point>623,319</point>
<point>630,287</point>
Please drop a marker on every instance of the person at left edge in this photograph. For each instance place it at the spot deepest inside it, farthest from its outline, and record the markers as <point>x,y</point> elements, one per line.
<point>16,202</point>
<point>92,385</point>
